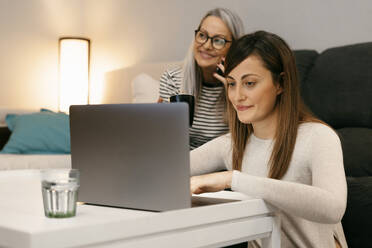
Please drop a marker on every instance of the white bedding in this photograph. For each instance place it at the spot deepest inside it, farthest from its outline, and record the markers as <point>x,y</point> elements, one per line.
<point>23,161</point>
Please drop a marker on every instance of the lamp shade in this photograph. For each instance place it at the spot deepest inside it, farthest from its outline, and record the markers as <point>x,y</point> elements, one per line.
<point>73,72</point>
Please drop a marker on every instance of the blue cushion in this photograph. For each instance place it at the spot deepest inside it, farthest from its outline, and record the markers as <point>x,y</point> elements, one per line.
<point>45,132</point>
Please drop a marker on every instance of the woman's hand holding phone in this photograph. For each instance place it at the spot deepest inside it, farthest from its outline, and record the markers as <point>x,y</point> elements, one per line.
<point>219,74</point>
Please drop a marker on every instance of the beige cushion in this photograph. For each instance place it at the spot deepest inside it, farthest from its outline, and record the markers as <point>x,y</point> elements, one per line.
<point>118,84</point>
<point>145,89</point>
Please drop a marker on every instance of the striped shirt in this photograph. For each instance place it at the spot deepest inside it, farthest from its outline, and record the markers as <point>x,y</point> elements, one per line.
<point>209,121</point>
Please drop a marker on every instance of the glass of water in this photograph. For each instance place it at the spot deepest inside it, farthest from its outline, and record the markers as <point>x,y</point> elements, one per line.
<point>60,189</point>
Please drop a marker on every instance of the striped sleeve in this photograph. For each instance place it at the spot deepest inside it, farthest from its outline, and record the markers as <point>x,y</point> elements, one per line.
<point>170,83</point>
<point>209,117</point>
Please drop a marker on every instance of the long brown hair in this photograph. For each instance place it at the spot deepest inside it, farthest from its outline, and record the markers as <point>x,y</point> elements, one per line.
<point>278,58</point>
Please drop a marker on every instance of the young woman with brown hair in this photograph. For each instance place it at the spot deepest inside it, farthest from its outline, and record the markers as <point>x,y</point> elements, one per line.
<point>276,149</point>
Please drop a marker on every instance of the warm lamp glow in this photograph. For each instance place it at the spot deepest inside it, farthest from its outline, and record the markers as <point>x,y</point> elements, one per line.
<point>73,72</point>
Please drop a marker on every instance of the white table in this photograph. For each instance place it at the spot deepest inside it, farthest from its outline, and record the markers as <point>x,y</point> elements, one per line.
<point>22,222</point>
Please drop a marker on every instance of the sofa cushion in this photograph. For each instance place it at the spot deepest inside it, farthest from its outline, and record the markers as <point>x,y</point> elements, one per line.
<point>7,110</point>
<point>45,132</point>
<point>145,89</point>
<point>357,151</point>
<point>357,220</point>
<point>305,60</point>
<point>338,89</point>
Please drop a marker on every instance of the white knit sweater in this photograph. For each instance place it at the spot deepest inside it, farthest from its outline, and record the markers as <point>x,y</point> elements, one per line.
<point>311,197</point>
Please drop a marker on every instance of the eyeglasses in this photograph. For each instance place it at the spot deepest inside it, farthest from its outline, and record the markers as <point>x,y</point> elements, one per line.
<point>217,42</point>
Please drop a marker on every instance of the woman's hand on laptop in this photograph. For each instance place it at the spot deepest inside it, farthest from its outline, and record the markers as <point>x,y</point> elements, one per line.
<point>210,182</point>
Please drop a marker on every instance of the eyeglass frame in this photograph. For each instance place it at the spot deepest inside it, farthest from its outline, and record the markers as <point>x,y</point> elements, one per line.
<point>211,38</point>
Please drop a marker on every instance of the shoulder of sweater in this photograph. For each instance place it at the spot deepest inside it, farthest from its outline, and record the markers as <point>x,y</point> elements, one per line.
<point>223,139</point>
<point>220,142</point>
<point>316,130</point>
<point>226,136</point>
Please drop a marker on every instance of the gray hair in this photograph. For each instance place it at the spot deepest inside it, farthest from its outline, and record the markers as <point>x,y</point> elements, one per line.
<point>192,73</point>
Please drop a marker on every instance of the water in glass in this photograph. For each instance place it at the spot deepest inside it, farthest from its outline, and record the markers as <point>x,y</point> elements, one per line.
<point>60,198</point>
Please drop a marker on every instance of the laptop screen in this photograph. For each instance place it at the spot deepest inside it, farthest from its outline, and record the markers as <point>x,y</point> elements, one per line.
<point>132,155</point>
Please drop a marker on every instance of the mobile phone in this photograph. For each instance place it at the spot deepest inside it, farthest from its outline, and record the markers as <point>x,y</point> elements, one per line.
<point>219,71</point>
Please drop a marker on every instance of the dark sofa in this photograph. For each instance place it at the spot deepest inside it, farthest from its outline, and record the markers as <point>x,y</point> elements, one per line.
<point>337,86</point>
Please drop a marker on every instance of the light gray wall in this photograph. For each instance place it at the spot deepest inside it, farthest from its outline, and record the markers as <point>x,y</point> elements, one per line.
<point>162,29</point>
<point>125,32</point>
<point>29,49</point>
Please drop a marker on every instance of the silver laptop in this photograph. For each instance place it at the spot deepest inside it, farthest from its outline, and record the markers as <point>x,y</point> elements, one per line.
<point>132,155</point>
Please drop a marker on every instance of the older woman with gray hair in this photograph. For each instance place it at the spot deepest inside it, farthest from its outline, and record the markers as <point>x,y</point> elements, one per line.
<point>198,77</point>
